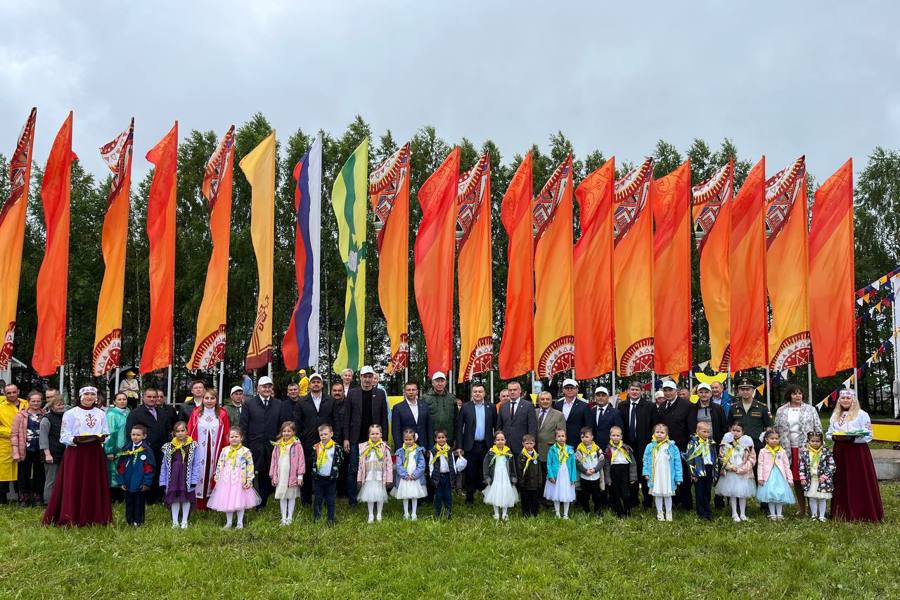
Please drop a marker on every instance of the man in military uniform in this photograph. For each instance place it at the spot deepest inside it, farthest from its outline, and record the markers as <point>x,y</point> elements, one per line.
<point>752,414</point>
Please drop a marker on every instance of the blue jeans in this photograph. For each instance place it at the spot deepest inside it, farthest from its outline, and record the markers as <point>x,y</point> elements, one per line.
<point>352,467</point>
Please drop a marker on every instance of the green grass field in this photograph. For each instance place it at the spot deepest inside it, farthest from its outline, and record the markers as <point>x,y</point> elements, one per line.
<point>468,557</point>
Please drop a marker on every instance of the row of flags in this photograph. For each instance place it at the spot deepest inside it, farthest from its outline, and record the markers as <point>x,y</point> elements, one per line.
<point>857,374</point>
<point>618,299</point>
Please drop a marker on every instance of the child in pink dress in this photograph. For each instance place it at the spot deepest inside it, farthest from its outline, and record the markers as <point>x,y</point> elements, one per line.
<point>234,491</point>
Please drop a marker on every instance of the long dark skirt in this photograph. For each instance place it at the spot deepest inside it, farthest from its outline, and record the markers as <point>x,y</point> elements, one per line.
<point>81,491</point>
<point>856,495</point>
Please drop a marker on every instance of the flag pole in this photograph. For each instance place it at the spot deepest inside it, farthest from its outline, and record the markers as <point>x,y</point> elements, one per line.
<point>169,390</point>
<point>221,379</point>
<point>492,386</point>
<point>613,386</point>
<point>768,391</point>
<point>116,389</point>
<point>809,380</point>
<point>62,381</point>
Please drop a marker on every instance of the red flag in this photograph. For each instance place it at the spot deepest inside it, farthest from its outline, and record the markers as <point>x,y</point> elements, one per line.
<point>831,275</point>
<point>670,199</point>
<point>53,278</point>
<point>593,260</point>
<point>157,352</point>
<point>434,253</point>
<point>517,343</point>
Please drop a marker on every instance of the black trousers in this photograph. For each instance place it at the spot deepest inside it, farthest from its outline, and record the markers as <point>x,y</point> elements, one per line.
<point>620,489</point>
<point>474,470</point>
<point>683,492</point>
<point>531,502</point>
<point>703,488</point>
<point>590,492</point>
<point>262,456</point>
<point>30,478</point>
<point>324,491</point>
<point>443,494</point>
<point>135,503</point>
<point>306,491</point>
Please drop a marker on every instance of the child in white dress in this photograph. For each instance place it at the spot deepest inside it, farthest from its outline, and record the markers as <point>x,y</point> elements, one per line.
<point>737,457</point>
<point>410,474</point>
<point>561,474</point>
<point>500,476</point>
<point>662,470</point>
<point>375,473</point>
<point>286,470</point>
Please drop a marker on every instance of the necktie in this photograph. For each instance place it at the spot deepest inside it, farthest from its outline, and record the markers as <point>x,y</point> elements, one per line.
<point>543,414</point>
<point>632,421</point>
<point>512,409</point>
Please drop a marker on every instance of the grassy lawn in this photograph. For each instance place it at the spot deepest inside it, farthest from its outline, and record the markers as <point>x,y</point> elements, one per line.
<point>469,557</point>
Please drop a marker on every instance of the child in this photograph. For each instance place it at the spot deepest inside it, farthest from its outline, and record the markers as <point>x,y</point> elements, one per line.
<point>326,469</point>
<point>410,474</point>
<point>561,474</point>
<point>816,474</point>
<point>179,473</point>
<point>135,469</point>
<point>701,459</point>
<point>375,473</point>
<point>500,476</point>
<point>621,472</point>
<point>589,460</point>
<point>286,470</point>
<point>442,470</point>
<point>662,470</point>
<point>530,477</point>
<point>774,476</point>
<point>233,492</point>
<point>737,457</point>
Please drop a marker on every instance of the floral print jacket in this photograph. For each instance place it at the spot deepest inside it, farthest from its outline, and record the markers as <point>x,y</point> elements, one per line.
<point>825,471</point>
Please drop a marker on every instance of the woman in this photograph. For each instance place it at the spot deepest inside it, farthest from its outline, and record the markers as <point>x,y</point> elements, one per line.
<point>81,492</point>
<point>208,426</point>
<point>26,451</point>
<point>116,416</point>
<point>795,420</point>
<point>856,494</point>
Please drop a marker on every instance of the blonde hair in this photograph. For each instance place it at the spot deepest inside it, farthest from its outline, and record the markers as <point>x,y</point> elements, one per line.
<point>852,412</point>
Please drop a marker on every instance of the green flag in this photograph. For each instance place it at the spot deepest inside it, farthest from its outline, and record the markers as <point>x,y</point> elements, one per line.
<point>349,200</point>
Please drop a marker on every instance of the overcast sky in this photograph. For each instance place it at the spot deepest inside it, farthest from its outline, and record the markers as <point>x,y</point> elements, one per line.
<point>779,78</point>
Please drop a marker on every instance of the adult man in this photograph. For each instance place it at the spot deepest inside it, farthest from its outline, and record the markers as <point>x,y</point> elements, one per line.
<point>548,421</point>
<point>412,414</point>
<point>575,411</point>
<point>674,413</point>
<point>516,418</point>
<point>158,420</point>
<point>442,407</point>
<point>474,435</point>
<point>260,422</point>
<point>707,412</point>
<point>637,415</point>
<point>683,393</point>
<point>604,417</point>
<point>721,397</point>
<point>235,404</point>
<point>9,469</point>
<point>365,405</point>
<point>310,411</point>
<point>198,388</point>
<point>289,405</point>
<point>753,415</point>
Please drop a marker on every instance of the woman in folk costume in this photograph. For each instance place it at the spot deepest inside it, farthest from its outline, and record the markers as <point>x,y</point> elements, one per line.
<point>375,472</point>
<point>662,470</point>
<point>208,426</point>
<point>500,476</point>
<point>856,494</point>
<point>81,491</point>
<point>178,473</point>
<point>737,457</point>
<point>116,416</point>
<point>286,470</point>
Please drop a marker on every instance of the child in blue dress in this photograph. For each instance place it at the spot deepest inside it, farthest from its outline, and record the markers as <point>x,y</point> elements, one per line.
<point>662,470</point>
<point>561,474</point>
<point>773,473</point>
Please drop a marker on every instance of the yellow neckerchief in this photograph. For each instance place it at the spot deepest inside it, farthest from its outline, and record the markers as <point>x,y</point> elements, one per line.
<point>133,452</point>
<point>322,453</point>
<point>529,458</point>
<point>441,451</point>
<point>774,450</point>
<point>814,456</point>
<point>372,447</point>
<point>655,451</point>
<point>561,453</point>
<point>232,453</point>
<point>699,448</point>
<point>282,444</point>
<point>618,449</point>
<point>585,450</point>
<point>734,445</point>
<point>410,453</point>
<point>498,452</point>
<point>176,445</point>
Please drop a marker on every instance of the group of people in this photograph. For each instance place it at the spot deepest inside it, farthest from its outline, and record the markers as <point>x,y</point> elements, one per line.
<point>552,453</point>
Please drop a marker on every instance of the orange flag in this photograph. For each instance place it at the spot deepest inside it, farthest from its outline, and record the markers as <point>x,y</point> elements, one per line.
<point>554,327</point>
<point>53,278</point>
<point>832,309</point>
<point>108,330</point>
<point>12,235</point>
<point>593,264</point>
<point>209,343</point>
<point>517,343</point>
<point>633,271</point>
<point>389,194</point>
<point>434,262</point>
<point>712,229</point>
<point>747,265</point>
<point>786,267</point>
<point>670,198</point>
<point>157,353</point>
<point>473,246</point>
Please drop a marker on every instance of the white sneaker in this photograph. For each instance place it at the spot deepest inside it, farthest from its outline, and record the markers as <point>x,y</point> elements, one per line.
<point>736,519</point>
<point>378,518</point>
<point>414,517</point>
<point>565,517</point>
<point>184,525</point>
<point>745,518</point>
<point>371,519</point>
<point>660,516</point>
<point>497,517</point>
<point>406,517</point>
<point>822,518</point>
<point>505,517</point>
<point>668,516</point>
<point>175,525</point>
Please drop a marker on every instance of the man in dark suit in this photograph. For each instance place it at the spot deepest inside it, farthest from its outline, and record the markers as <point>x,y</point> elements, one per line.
<point>411,414</point>
<point>310,411</point>
<point>261,419</point>
<point>192,402</point>
<point>474,436</point>
<point>575,411</point>
<point>637,417</point>
<point>365,405</point>
<point>516,418</point>
<point>603,417</point>
<point>159,420</point>
<point>674,413</point>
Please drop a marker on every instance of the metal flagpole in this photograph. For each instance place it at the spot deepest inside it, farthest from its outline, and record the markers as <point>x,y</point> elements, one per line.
<point>221,379</point>
<point>613,374</point>
<point>169,398</point>
<point>62,382</point>
<point>895,323</point>
<point>492,386</point>
<point>768,391</point>
<point>809,380</point>
<point>117,381</point>
<point>405,375</point>
<point>269,372</point>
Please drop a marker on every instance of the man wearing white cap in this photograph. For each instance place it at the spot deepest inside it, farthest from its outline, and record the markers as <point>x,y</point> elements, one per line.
<point>314,409</point>
<point>235,404</point>
<point>441,406</point>
<point>706,411</point>
<point>575,411</point>
<point>674,413</point>
<point>261,419</point>
<point>365,405</point>
<point>604,417</point>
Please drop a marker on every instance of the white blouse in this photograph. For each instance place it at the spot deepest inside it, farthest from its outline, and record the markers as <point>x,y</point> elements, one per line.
<point>862,421</point>
<point>79,421</point>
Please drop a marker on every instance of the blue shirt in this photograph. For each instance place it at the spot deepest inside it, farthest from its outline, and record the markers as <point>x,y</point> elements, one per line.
<point>479,422</point>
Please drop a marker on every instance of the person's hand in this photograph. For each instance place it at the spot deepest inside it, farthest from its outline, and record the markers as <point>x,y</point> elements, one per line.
<point>551,479</point>
<point>48,458</point>
<point>144,488</point>
<point>123,487</point>
<point>346,446</point>
<point>300,480</point>
<point>694,479</point>
<point>459,452</point>
<point>647,477</point>
<point>247,486</point>
<point>18,459</point>
<point>110,456</point>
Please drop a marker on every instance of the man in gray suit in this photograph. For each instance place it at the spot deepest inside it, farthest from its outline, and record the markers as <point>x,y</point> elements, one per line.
<point>548,421</point>
<point>516,418</point>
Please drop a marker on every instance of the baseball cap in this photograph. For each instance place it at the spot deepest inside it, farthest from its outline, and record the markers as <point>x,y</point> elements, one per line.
<point>601,390</point>
<point>570,381</point>
<point>669,384</point>
<point>264,380</point>
<point>367,370</point>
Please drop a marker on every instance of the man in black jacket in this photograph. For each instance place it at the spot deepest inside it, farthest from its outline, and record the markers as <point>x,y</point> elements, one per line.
<point>637,417</point>
<point>261,419</point>
<point>516,418</point>
<point>474,436</point>
<point>575,411</point>
<point>412,414</point>
<point>674,413</point>
<point>365,405</point>
<point>310,411</point>
<point>159,419</point>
